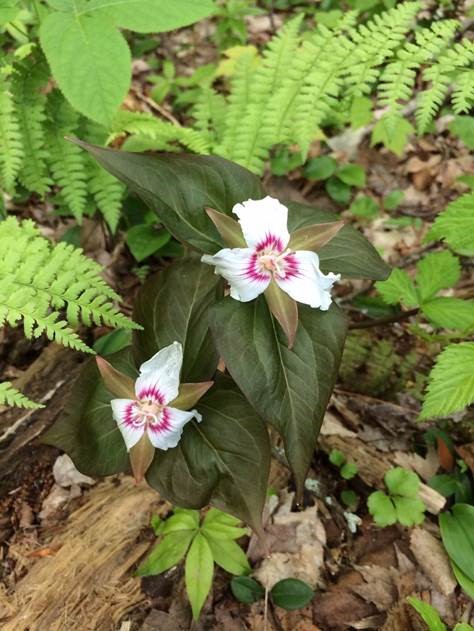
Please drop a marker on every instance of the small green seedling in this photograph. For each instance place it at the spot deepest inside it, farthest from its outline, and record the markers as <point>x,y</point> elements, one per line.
<point>289,593</point>
<point>432,618</point>
<point>203,543</point>
<point>339,179</point>
<point>347,469</point>
<point>401,504</point>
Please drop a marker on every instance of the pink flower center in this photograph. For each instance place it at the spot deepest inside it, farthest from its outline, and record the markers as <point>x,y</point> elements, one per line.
<point>148,412</point>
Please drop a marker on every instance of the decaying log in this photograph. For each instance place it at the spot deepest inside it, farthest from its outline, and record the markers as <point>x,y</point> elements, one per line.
<point>47,380</point>
<point>86,583</point>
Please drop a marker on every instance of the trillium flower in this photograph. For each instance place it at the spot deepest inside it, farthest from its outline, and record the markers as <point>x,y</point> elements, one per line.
<point>265,258</point>
<point>152,410</point>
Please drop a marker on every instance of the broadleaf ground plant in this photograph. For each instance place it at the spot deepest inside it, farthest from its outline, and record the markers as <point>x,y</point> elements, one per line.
<point>279,334</point>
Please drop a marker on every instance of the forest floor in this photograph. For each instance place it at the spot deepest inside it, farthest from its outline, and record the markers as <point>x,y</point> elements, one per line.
<point>58,528</point>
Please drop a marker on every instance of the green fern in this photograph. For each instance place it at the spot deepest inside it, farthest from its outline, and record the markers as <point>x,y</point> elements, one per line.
<point>11,147</point>
<point>463,92</point>
<point>151,127</point>
<point>38,279</point>
<point>30,103</point>
<point>439,75</point>
<point>67,161</point>
<point>11,396</point>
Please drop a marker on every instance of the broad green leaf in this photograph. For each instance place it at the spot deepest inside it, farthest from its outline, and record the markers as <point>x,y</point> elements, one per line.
<point>291,593</point>
<point>451,385</point>
<point>348,252</point>
<point>349,470</point>
<point>8,10</point>
<point>218,530</point>
<point>228,555</point>
<point>337,458</point>
<point>467,584</point>
<point>456,225</point>
<point>246,589</point>
<point>463,128</point>
<point>397,288</point>
<point>463,626</point>
<point>90,60</point>
<point>86,430</point>
<point>184,520</point>
<point>364,206</point>
<point>352,174</point>
<point>457,532</point>
<point>223,461</point>
<point>178,187</point>
<point>439,270</point>
<point>176,312</point>
<point>152,16</point>
<point>113,342</point>
<point>450,313</point>
<point>382,509</point>
<point>400,481</point>
<point>214,515</point>
<point>338,190</point>
<point>393,199</point>
<point>144,240</point>
<point>428,613</point>
<point>173,305</point>
<point>320,168</point>
<point>393,133</point>
<point>168,553</point>
<point>410,510</point>
<point>199,569</point>
<point>288,388</point>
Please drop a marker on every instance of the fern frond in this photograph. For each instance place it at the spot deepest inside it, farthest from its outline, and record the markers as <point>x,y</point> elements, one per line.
<point>463,92</point>
<point>67,161</point>
<point>11,396</point>
<point>398,79</point>
<point>209,114</point>
<point>247,148</point>
<point>241,85</point>
<point>314,50</point>
<point>31,107</point>
<point>438,75</point>
<point>374,43</point>
<point>11,146</point>
<point>38,279</point>
<point>108,193</point>
<point>150,126</point>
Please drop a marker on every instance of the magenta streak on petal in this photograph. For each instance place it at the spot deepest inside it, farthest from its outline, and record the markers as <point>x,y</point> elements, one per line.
<point>252,271</point>
<point>151,393</point>
<point>164,424</point>
<point>271,242</point>
<point>291,267</point>
<point>130,416</point>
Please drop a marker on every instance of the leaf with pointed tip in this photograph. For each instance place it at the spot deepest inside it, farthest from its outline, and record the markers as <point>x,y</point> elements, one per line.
<point>228,228</point>
<point>314,237</point>
<point>223,461</point>
<point>189,394</point>
<point>178,187</point>
<point>117,383</point>
<point>288,388</point>
<point>173,305</point>
<point>348,253</point>
<point>141,457</point>
<point>284,309</point>
<point>86,430</point>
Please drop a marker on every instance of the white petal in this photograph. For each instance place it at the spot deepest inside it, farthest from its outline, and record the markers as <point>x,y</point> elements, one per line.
<point>304,281</point>
<point>264,223</point>
<point>166,433</point>
<point>238,267</point>
<point>159,376</point>
<point>124,414</point>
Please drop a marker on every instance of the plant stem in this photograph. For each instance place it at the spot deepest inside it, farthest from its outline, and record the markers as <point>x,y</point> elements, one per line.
<point>398,317</point>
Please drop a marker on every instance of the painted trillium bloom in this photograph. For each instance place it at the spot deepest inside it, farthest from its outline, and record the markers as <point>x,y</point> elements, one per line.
<point>272,261</point>
<point>150,412</point>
